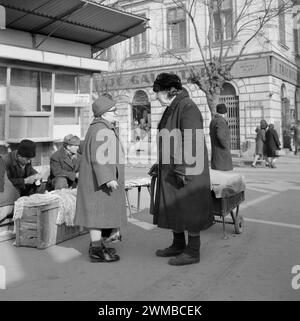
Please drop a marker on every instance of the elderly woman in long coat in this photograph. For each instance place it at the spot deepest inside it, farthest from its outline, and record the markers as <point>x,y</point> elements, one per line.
<point>182,197</point>
<point>272,145</point>
<point>100,194</point>
<point>260,140</point>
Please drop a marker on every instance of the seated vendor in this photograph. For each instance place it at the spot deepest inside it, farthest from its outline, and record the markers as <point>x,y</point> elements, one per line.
<point>64,164</point>
<point>20,171</point>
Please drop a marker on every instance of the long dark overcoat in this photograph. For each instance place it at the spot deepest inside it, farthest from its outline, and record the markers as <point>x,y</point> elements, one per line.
<point>272,142</point>
<point>180,206</point>
<point>260,141</point>
<point>98,206</point>
<point>221,158</point>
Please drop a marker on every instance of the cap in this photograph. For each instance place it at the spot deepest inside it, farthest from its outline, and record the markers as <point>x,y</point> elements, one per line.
<point>27,148</point>
<point>221,109</point>
<point>72,140</point>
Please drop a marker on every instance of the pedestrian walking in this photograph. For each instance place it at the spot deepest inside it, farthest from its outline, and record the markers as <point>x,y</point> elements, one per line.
<point>272,145</point>
<point>260,141</point>
<point>100,202</point>
<point>219,132</point>
<point>296,129</point>
<point>182,200</point>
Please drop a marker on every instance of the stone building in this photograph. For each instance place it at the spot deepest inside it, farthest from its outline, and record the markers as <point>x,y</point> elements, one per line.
<point>265,79</point>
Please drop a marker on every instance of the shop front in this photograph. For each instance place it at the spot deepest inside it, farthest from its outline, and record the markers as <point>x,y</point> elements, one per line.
<point>46,67</point>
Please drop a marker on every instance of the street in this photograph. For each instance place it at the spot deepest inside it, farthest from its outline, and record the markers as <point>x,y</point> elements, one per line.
<point>254,265</point>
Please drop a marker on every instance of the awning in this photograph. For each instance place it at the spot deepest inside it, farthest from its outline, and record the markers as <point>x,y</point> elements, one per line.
<point>81,21</point>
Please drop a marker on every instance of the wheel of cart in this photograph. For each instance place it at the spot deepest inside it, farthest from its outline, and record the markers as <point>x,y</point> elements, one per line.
<point>222,207</point>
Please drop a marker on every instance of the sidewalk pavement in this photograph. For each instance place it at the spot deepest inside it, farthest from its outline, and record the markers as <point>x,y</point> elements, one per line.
<point>246,161</point>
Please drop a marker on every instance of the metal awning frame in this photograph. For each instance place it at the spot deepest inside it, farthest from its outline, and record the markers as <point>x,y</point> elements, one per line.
<point>62,18</point>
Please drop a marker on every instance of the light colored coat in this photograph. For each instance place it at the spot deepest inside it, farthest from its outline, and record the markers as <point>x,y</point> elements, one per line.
<point>98,206</point>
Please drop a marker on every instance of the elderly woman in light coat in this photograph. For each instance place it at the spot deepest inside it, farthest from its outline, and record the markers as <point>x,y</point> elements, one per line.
<point>100,195</point>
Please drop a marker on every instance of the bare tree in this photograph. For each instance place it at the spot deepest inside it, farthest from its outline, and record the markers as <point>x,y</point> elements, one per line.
<point>247,24</point>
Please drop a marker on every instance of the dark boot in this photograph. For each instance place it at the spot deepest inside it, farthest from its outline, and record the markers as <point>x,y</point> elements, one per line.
<point>110,249</point>
<point>176,248</point>
<point>101,254</point>
<point>190,255</point>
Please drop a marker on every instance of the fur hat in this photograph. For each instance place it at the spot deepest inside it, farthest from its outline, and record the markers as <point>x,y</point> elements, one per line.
<point>102,105</point>
<point>26,148</point>
<point>221,109</point>
<point>165,81</point>
<point>71,140</point>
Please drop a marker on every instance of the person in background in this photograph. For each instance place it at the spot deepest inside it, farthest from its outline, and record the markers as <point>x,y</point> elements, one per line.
<point>20,171</point>
<point>260,141</point>
<point>221,158</point>
<point>296,129</point>
<point>100,205</point>
<point>64,164</point>
<point>181,202</point>
<point>272,145</point>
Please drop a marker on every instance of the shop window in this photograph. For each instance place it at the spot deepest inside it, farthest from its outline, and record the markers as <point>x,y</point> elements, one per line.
<point>2,76</point>
<point>176,28</point>
<point>222,20</point>
<point>141,114</point>
<point>84,84</point>
<point>29,105</point>
<point>281,23</point>
<point>66,116</point>
<point>138,44</point>
<point>30,90</point>
<point>66,83</point>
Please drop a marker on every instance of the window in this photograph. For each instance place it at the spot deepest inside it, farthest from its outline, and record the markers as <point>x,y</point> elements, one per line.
<point>176,28</point>
<point>222,20</point>
<point>30,90</point>
<point>281,23</point>
<point>138,44</point>
<point>66,115</point>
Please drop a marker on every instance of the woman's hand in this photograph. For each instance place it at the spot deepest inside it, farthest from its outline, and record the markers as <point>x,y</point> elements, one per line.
<point>153,170</point>
<point>112,184</point>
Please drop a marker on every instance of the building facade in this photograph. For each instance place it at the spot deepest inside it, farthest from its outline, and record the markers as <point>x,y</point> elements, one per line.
<point>265,79</point>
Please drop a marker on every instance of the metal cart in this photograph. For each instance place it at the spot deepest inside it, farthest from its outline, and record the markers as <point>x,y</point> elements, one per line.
<point>221,207</point>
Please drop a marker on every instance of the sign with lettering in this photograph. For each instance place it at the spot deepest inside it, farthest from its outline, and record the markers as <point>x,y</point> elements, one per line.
<point>82,99</point>
<point>244,68</point>
<point>284,71</point>
<point>251,68</point>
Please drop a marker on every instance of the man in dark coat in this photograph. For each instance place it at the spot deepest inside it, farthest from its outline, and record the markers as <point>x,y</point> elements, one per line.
<point>64,164</point>
<point>20,171</point>
<point>221,158</point>
<point>100,201</point>
<point>182,198</point>
<point>272,145</point>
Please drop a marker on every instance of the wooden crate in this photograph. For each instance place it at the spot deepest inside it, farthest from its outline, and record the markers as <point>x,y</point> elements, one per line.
<point>38,228</point>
